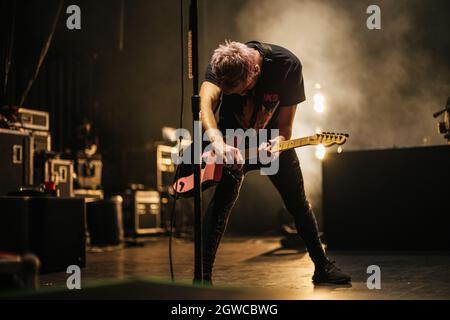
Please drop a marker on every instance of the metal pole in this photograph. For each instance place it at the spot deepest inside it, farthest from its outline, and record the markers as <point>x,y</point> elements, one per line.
<point>193,74</point>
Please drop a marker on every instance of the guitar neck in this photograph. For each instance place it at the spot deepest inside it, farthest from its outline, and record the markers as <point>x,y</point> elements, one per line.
<point>294,143</point>
<point>282,146</point>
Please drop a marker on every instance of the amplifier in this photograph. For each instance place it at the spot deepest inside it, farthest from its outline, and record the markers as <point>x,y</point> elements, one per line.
<point>142,212</point>
<point>52,228</point>
<point>40,143</point>
<point>392,199</point>
<point>14,160</point>
<point>57,170</point>
<point>89,173</point>
<point>104,222</point>
<point>165,168</point>
<point>150,166</point>
<point>32,119</point>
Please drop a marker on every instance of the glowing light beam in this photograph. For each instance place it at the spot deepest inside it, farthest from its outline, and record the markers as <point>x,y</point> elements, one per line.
<point>319,102</point>
<point>320,152</point>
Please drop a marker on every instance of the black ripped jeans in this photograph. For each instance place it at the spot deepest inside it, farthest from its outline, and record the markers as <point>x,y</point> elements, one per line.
<point>289,183</point>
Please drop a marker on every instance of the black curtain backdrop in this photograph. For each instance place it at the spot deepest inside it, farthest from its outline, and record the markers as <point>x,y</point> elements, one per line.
<point>129,93</point>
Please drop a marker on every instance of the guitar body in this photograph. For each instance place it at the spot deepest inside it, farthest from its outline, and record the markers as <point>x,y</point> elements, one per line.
<point>211,174</point>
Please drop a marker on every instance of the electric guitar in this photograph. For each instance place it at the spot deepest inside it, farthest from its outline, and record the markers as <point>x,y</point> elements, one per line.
<point>211,173</point>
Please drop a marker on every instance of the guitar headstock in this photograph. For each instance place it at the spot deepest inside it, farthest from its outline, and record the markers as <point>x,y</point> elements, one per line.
<point>327,139</point>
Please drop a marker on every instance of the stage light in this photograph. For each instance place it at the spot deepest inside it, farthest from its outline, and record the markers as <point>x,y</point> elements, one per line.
<point>339,150</point>
<point>320,152</point>
<point>319,102</point>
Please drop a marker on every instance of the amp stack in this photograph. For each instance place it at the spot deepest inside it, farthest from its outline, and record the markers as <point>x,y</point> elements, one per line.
<point>51,224</point>
<point>148,198</point>
<point>26,157</point>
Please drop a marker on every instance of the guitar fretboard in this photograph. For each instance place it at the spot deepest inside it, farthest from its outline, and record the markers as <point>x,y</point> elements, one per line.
<point>294,143</point>
<point>285,145</point>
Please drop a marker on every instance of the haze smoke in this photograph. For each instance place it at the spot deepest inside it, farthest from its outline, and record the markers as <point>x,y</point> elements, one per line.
<point>380,86</point>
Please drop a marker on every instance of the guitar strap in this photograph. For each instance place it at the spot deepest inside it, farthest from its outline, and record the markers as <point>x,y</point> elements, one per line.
<point>264,49</point>
<point>266,52</point>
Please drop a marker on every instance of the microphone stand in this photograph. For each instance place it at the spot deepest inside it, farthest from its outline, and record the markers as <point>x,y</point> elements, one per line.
<point>437,114</point>
<point>447,108</point>
<point>196,154</point>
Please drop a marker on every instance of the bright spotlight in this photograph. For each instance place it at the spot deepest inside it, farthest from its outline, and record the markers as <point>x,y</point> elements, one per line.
<point>320,152</point>
<point>319,102</point>
<point>339,149</point>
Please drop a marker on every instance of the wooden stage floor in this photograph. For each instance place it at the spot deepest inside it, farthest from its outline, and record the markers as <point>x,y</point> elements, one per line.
<point>259,268</point>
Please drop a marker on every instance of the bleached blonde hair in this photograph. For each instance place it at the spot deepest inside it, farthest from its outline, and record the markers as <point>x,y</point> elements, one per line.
<point>232,63</point>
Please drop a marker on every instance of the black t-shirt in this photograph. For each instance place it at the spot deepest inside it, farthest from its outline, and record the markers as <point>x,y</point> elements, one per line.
<point>280,84</point>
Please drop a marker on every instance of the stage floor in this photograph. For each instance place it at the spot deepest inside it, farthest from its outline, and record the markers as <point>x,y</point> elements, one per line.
<point>258,265</point>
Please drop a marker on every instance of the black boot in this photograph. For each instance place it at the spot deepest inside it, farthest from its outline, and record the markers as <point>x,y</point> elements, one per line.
<point>329,273</point>
<point>207,281</point>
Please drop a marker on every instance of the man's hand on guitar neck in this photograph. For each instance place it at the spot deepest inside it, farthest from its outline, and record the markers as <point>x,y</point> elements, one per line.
<point>267,147</point>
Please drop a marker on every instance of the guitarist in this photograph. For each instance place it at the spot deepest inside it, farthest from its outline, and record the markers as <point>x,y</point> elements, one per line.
<point>257,86</point>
